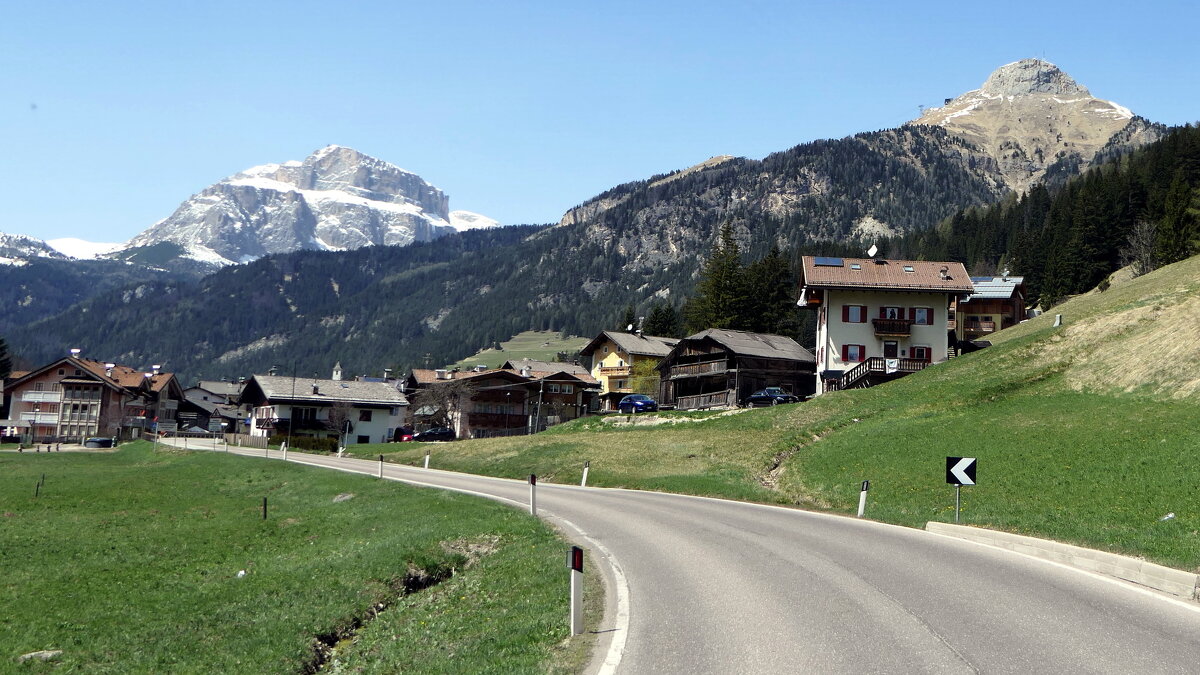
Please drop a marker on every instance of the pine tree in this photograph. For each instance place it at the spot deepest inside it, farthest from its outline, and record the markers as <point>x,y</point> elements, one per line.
<point>5,361</point>
<point>629,323</point>
<point>719,300</point>
<point>1177,229</point>
<point>663,321</point>
<point>771,296</point>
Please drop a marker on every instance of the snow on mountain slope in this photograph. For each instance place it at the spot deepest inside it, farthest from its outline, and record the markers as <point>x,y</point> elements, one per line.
<point>336,199</point>
<point>18,249</point>
<point>466,220</point>
<point>80,249</point>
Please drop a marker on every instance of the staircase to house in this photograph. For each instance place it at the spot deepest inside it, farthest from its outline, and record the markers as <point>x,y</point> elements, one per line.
<point>856,377</point>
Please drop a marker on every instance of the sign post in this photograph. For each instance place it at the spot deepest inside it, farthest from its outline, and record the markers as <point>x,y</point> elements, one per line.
<point>862,498</point>
<point>532,494</point>
<point>960,471</point>
<point>575,563</point>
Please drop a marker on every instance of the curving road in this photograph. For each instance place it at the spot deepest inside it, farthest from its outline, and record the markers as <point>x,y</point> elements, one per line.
<point>710,586</point>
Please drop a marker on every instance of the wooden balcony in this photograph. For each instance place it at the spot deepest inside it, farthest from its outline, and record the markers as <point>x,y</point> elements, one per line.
<point>615,371</point>
<point>694,369</point>
<point>980,327</point>
<point>892,327</point>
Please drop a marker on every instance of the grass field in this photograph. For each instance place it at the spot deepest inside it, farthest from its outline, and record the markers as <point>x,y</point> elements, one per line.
<point>534,345</point>
<point>1071,444</point>
<point>129,562</point>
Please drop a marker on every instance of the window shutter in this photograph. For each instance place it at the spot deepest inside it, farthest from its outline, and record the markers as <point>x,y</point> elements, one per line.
<point>845,313</point>
<point>883,312</point>
<point>845,352</point>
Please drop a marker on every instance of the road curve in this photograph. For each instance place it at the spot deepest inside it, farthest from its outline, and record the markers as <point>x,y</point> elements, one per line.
<point>717,586</point>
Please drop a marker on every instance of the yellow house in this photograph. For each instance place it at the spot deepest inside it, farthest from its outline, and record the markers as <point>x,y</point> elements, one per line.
<point>612,355</point>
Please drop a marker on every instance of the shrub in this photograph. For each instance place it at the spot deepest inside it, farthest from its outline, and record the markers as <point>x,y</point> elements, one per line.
<point>306,443</point>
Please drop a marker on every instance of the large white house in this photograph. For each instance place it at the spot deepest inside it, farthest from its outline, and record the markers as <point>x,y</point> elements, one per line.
<point>879,319</point>
<point>352,411</point>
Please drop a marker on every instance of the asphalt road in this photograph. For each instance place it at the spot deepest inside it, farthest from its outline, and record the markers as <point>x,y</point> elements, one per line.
<point>708,586</point>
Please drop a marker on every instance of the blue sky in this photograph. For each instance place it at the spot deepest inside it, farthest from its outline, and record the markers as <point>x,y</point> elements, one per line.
<point>114,113</point>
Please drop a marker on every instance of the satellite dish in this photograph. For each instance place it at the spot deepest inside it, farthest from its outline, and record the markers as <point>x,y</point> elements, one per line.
<point>873,250</point>
<point>629,327</point>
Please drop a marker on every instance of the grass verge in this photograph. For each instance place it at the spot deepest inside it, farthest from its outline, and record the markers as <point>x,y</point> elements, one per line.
<point>129,562</point>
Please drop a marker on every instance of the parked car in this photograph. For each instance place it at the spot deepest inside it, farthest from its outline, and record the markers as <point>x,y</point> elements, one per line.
<point>434,434</point>
<point>98,443</point>
<point>770,396</point>
<point>403,435</point>
<point>636,403</point>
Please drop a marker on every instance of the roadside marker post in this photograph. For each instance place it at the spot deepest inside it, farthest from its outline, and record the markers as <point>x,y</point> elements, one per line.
<point>427,451</point>
<point>381,466</point>
<point>575,563</point>
<point>862,498</point>
<point>532,494</point>
<point>586,465</point>
<point>264,508</point>
<point>960,471</point>
<point>285,451</point>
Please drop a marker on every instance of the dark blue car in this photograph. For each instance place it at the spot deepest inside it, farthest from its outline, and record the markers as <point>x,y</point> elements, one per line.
<point>636,403</point>
<point>770,396</point>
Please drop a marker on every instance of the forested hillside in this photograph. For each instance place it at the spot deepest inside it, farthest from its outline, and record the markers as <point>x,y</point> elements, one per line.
<point>1141,208</point>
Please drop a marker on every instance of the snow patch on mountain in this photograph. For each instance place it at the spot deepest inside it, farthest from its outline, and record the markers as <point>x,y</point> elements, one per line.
<point>466,220</point>
<point>18,249</point>
<point>81,249</point>
<point>337,199</point>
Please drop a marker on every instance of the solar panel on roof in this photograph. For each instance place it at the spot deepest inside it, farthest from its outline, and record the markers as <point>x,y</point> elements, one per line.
<point>828,262</point>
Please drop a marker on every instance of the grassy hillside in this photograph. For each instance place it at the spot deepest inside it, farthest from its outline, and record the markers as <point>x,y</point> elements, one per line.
<point>129,562</point>
<point>538,345</point>
<point>1084,433</point>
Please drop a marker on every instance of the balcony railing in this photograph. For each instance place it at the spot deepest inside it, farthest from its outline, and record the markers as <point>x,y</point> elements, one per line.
<point>899,327</point>
<point>693,369</point>
<point>980,326</point>
<point>42,396</point>
<point>614,371</point>
<point>40,418</point>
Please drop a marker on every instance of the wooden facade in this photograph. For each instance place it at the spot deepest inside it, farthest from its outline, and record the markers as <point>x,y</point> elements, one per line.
<point>720,368</point>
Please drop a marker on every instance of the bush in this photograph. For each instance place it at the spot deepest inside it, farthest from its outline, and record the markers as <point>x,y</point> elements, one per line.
<point>306,443</point>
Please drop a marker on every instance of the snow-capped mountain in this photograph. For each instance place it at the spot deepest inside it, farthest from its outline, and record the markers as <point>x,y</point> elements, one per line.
<point>1030,116</point>
<point>336,199</point>
<point>81,249</point>
<point>18,249</point>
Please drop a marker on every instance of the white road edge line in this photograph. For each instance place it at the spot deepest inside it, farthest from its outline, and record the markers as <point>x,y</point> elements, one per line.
<point>616,648</point>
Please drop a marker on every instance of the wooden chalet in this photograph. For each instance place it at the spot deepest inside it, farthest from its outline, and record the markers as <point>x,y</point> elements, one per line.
<point>719,368</point>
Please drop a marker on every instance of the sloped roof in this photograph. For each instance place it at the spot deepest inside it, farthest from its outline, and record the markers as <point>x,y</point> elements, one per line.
<point>424,376</point>
<point>763,345</point>
<point>277,387</point>
<point>121,377</point>
<point>630,343</point>
<point>545,366</point>
<point>221,387</point>
<point>884,274</point>
<point>995,288</point>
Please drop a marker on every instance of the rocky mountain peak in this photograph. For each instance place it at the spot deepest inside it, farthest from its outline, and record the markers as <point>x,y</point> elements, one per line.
<point>1037,122</point>
<point>337,198</point>
<point>1031,76</point>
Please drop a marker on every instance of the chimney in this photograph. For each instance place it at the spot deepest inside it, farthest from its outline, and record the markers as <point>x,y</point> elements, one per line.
<point>480,368</point>
<point>154,368</point>
<point>441,374</point>
<point>337,371</point>
<point>944,273</point>
<point>75,353</point>
<point>316,389</point>
<point>525,371</point>
<point>108,368</point>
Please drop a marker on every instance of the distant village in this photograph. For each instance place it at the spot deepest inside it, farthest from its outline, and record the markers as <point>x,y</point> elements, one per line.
<point>877,320</point>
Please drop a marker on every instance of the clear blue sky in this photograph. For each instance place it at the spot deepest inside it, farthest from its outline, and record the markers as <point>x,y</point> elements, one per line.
<point>113,113</point>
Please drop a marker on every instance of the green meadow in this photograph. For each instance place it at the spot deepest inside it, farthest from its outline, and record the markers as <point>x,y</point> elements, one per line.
<point>151,561</point>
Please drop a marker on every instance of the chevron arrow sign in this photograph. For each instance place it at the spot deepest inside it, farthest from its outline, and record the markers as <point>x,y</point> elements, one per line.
<point>960,470</point>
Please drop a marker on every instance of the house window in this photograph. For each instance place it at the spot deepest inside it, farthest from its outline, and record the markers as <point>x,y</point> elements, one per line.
<point>605,349</point>
<point>364,439</point>
<point>552,388</point>
<point>854,353</point>
<point>922,316</point>
<point>39,386</point>
<point>891,312</point>
<point>854,314</point>
<point>922,353</point>
<point>568,389</point>
<point>364,416</point>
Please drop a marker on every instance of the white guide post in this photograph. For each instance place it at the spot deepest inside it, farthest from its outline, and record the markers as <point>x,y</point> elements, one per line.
<point>862,498</point>
<point>575,562</point>
<point>586,465</point>
<point>381,466</point>
<point>427,459</point>
<point>532,494</point>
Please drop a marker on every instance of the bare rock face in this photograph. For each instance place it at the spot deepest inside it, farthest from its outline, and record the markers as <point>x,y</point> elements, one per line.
<point>336,199</point>
<point>1032,118</point>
